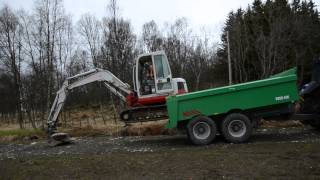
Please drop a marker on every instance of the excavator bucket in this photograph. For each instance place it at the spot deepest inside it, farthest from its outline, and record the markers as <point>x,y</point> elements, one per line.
<point>57,139</point>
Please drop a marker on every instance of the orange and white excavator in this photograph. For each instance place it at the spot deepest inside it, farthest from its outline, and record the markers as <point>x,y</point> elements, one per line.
<point>152,83</point>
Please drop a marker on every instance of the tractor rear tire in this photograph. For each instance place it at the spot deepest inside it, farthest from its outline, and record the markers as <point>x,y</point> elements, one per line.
<point>315,123</point>
<point>311,105</point>
<point>236,128</point>
<point>201,130</point>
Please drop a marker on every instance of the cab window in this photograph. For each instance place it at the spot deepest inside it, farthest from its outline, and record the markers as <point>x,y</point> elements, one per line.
<point>162,73</point>
<point>161,66</point>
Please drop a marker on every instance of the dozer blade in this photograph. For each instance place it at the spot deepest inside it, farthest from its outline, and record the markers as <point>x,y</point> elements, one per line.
<point>57,139</point>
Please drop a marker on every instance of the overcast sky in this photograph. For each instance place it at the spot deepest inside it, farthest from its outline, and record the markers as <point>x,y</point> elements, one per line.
<point>210,14</point>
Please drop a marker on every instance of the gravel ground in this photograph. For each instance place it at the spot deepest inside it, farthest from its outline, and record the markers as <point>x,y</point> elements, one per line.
<point>270,153</point>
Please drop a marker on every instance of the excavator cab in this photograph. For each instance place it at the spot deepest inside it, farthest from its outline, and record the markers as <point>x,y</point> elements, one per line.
<point>153,79</point>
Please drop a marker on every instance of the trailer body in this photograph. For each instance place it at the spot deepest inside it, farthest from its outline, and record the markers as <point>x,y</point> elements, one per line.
<point>275,91</point>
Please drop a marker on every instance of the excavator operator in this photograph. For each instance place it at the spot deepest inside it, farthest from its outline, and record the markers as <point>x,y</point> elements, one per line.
<point>148,82</point>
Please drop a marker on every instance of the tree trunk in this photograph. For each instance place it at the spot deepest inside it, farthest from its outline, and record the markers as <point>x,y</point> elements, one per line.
<point>31,120</point>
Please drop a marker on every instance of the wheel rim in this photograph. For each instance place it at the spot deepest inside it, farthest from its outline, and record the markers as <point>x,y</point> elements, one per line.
<point>237,128</point>
<point>201,130</point>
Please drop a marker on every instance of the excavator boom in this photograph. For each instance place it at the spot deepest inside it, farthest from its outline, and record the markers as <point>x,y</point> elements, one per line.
<point>114,84</point>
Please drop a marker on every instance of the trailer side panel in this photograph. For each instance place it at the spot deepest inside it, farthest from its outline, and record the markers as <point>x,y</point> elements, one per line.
<point>279,89</point>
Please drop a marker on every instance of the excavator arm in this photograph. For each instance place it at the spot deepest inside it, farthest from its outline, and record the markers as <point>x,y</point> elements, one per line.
<point>114,84</point>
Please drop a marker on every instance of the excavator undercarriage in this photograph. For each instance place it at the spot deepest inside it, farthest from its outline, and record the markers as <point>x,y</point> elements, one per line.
<point>144,113</point>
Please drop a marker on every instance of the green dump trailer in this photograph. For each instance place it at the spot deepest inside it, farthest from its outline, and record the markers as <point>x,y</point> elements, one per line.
<point>232,111</point>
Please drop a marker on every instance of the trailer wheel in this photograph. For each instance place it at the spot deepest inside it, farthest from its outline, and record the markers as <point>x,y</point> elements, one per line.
<point>201,130</point>
<point>236,128</point>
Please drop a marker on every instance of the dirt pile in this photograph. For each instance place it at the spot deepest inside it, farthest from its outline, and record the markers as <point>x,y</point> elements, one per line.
<point>147,130</point>
<point>138,129</point>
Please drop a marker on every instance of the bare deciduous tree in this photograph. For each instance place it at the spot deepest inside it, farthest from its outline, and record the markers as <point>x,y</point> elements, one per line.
<point>151,37</point>
<point>11,49</point>
<point>90,29</point>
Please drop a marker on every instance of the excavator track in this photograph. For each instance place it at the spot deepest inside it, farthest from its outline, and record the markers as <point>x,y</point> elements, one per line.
<point>144,114</point>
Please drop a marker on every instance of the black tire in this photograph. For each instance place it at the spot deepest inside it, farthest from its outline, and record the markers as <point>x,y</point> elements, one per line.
<point>314,123</point>
<point>236,128</point>
<point>201,130</point>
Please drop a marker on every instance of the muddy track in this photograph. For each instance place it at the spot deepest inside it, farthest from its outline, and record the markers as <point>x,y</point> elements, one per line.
<point>102,145</point>
<point>270,153</point>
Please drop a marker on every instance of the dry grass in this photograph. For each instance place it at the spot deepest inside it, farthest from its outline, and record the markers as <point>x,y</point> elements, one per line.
<point>93,122</point>
<point>90,122</point>
<point>6,127</point>
<point>21,135</point>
